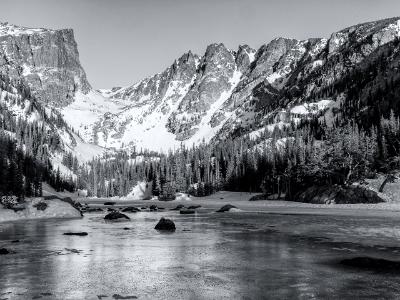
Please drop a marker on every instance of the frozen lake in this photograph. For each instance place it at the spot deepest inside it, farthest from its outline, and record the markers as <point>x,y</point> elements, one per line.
<point>210,256</point>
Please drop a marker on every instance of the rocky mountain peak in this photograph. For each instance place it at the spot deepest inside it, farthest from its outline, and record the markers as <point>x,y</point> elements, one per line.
<point>245,55</point>
<point>380,32</point>
<point>48,60</point>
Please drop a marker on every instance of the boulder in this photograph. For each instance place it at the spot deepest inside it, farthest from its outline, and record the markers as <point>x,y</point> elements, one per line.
<point>153,207</point>
<point>226,207</point>
<point>335,194</point>
<point>76,233</point>
<point>115,215</point>
<point>187,211</point>
<point>130,209</point>
<point>165,225</point>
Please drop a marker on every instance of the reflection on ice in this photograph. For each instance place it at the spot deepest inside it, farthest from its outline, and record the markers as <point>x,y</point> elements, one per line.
<point>209,256</point>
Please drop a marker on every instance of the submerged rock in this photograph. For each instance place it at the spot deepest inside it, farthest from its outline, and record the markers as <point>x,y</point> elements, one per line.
<point>336,194</point>
<point>187,211</point>
<point>76,233</point>
<point>226,207</point>
<point>115,215</point>
<point>130,209</point>
<point>119,297</point>
<point>194,206</point>
<point>4,251</point>
<point>178,207</point>
<point>92,209</point>
<point>370,263</point>
<point>166,225</point>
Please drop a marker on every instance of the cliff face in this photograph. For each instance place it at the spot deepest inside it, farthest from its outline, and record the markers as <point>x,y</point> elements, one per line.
<point>48,60</point>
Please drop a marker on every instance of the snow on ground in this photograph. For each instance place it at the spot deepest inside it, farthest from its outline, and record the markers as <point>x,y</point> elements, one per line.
<point>55,209</point>
<point>311,108</point>
<point>50,191</point>
<point>253,135</point>
<point>86,151</point>
<point>140,191</point>
<point>56,162</point>
<point>391,191</point>
<point>182,197</point>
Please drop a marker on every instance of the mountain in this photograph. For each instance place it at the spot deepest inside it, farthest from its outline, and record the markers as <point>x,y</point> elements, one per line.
<point>279,102</point>
<point>221,94</point>
<point>228,93</point>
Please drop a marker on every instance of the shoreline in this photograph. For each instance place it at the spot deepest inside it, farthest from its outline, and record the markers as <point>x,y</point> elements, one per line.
<point>240,200</point>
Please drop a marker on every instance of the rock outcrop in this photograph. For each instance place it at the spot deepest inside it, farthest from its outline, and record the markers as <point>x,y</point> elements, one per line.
<point>48,60</point>
<point>337,195</point>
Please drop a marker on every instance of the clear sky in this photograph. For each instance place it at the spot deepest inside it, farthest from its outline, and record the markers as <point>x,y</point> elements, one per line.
<point>123,41</point>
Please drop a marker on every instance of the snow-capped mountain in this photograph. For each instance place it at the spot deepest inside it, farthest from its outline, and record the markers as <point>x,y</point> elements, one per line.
<point>223,93</point>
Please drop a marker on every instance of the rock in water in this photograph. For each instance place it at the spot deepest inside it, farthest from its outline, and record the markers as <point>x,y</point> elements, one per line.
<point>93,209</point>
<point>226,208</point>
<point>187,211</point>
<point>194,206</point>
<point>153,207</point>
<point>178,207</point>
<point>115,215</point>
<point>76,233</point>
<point>166,225</point>
<point>4,251</point>
<point>119,297</point>
<point>131,209</point>
<point>375,264</point>
<point>109,203</point>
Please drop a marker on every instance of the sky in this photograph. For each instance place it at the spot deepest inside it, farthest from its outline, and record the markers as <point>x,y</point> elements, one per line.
<point>122,41</point>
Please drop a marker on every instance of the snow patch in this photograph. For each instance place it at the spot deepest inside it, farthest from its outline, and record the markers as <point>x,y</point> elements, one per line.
<point>55,209</point>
